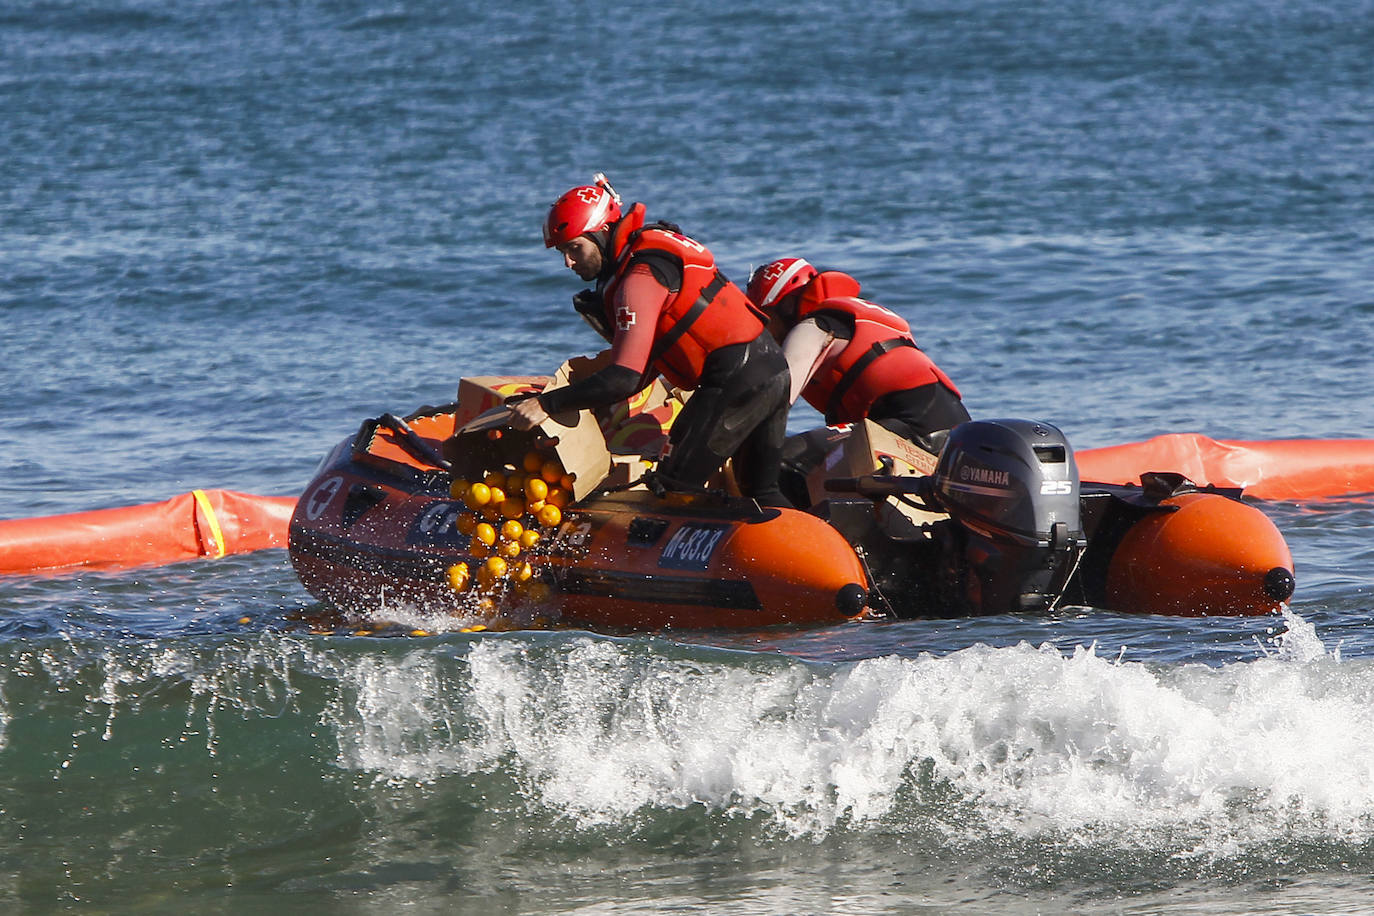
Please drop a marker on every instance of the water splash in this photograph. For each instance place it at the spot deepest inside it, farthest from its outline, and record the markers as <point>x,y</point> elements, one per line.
<point>1020,741</point>
<point>1298,642</point>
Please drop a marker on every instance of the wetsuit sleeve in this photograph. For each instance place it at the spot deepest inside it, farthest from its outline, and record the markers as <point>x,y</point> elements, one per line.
<point>614,383</point>
<point>636,305</point>
<point>804,346</point>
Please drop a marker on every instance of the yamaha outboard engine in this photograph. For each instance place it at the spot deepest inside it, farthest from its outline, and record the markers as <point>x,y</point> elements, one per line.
<point>1011,487</point>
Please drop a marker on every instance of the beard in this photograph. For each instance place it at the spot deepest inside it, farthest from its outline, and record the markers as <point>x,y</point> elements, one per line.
<point>589,268</point>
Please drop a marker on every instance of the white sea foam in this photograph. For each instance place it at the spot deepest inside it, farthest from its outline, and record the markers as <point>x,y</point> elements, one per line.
<point>1034,741</point>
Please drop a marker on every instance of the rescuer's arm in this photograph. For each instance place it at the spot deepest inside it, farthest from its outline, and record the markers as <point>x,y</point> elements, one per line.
<point>805,347</point>
<point>636,305</point>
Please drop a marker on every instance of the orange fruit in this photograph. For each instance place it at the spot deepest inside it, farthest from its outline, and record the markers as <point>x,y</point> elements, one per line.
<point>508,549</point>
<point>495,566</point>
<point>479,494</point>
<point>552,471</point>
<point>529,538</point>
<point>459,576</point>
<point>550,516</point>
<point>494,479</point>
<point>485,533</point>
<point>466,524</point>
<point>559,497</point>
<point>533,462</point>
<point>458,489</point>
<point>513,508</point>
<point>536,489</point>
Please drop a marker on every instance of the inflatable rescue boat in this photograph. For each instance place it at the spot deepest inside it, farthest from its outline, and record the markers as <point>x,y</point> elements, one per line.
<point>446,511</point>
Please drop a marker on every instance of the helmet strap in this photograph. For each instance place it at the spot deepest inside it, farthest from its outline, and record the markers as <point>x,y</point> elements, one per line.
<point>786,307</point>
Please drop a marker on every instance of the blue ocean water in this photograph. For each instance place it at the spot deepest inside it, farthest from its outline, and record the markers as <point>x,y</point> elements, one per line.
<point>231,231</point>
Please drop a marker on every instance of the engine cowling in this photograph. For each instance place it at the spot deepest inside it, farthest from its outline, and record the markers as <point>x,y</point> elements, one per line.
<point>1011,487</point>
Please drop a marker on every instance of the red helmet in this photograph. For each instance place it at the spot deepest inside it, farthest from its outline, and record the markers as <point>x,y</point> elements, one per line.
<point>779,278</point>
<point>589,208</point>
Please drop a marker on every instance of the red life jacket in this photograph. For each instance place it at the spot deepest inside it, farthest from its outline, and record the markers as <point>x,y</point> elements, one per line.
<point>706,313</point>
<point>879,359</point>
<point>828,284</point>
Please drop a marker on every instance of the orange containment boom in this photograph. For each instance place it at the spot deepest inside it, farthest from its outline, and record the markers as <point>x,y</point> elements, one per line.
<point>1292,469</point>
<point>202,523</point>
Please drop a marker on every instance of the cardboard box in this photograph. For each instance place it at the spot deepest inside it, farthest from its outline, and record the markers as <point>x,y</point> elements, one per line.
<point>863,453</point>
<point>575,436</point>
<point>869,443</point>
<point>603,446</point>
<point>625,469</point>
<point>481,393</point>
<point>637,428</point>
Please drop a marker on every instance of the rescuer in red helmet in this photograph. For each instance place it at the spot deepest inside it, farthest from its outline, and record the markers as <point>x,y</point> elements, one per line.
<point>851,358</point>
<point>667,309</point>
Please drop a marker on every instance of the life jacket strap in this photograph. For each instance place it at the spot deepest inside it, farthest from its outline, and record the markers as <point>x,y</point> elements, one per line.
<point>851,375</point>
<point>684,324</point>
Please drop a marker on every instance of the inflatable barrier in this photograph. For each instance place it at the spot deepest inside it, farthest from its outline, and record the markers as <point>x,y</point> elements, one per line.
<point>1282,469</point>
<point>202,523</point>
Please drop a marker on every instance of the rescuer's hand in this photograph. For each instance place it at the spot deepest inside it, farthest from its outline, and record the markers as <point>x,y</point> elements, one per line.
<point>527,414</point>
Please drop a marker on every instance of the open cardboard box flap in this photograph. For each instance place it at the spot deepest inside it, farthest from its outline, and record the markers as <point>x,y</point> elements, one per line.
<point>483,393</point>
<point>576,437</point>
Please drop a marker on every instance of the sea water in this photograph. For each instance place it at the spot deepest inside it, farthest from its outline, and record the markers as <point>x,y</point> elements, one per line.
<point>233,230</point>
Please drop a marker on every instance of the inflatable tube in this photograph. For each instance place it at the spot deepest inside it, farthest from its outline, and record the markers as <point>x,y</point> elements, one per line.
<point>202,523</point>
<point>1210,555</point>
<point>1287,469</point>
<point>629,561</point>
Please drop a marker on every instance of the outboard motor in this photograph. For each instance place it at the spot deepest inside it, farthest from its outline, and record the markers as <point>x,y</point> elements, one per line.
<point>1011,487</point>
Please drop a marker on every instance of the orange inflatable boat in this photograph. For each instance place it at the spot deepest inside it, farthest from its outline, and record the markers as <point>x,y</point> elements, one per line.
<point>447,511</point>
